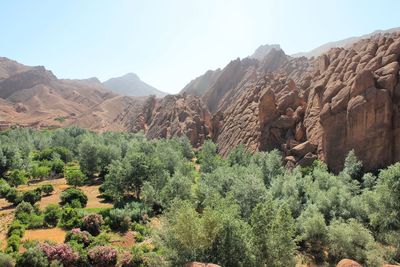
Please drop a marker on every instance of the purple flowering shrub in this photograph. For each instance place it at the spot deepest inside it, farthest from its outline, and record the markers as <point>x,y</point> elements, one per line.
<point>79,236</point>
<point>60,252</point>
<point>103,256</point>
<point>92,223</point>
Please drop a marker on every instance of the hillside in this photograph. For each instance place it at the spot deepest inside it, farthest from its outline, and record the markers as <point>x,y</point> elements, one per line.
<point>131,85</point>
<point>307,108</point>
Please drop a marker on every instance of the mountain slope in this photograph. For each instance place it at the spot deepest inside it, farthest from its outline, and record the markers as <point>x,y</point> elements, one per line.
<point>131,85</point>
<point>341,43</point>
<point>200,85</point>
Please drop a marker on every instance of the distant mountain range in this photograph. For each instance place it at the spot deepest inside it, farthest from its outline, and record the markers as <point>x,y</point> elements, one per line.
<point>342,95</point>
<point>131,85</point>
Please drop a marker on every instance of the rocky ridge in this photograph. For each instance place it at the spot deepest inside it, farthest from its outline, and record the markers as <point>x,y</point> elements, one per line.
<point>347,98</point>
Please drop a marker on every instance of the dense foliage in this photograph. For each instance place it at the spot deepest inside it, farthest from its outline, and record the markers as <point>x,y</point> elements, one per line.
<point>180,206</point>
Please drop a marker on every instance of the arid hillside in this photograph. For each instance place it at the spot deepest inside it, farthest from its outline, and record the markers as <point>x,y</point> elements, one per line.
<point>347,98</point>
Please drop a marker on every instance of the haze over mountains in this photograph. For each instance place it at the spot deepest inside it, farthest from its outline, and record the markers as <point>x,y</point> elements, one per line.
<point>131,85</point>
<point>318,107</point>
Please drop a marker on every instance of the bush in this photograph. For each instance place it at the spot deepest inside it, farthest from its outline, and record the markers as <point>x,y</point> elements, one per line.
<point>103,256</point>
<point>14,196</point>
<point>17,177</point>
<point>36,221</point>
<point>71,194</point>
<point>119,220</point>
<point>92,223</point>
<point>138,211</point>
<point>81,237</point>
<point>33,257</point>
<point>24,211</point>
<point>6,260</point>
<point>16,228</point>
<point>32,196</point>
<point>47,189</point>
<point>13,243</point>
<point>60,252</point>
<point>4,188</point>
<point>52,214</point>
<point>74,175</point>
<point>350,240</point>
<point>70,218</point>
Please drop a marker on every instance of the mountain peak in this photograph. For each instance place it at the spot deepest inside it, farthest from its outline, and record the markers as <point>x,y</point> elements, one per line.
<point>263,50</point>
<point>131,85</point>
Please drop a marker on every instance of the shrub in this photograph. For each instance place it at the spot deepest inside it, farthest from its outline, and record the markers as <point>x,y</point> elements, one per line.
<point>140,228</point>
<point>13,243</point>
<point>74,175</point>
<point>24,211</point>
<point>103,256</point>
<point>92,223</point>
<point>4,188</point>
<point>119,220</point>
<point>70,218</point>
<point>14,196</point>
<point>36,221</point>
<point>126,260</point>
<point>52,214</point>
<point>60,252</point>
<point>17,177</point>
<point>6,260</point>
<point>32,196</point>
<point>33,257</point>
<point>137,211</point>
<point>80,237</point>
<point>71,194</point>
<point>16,228</point>
<point>47,189</point>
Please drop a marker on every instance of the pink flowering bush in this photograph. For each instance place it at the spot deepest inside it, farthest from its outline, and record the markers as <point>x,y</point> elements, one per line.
<point>79,236</point>
<point>92,223</point>
<point>103,256</point>
<point>126,260</point>
<point>61,252</point>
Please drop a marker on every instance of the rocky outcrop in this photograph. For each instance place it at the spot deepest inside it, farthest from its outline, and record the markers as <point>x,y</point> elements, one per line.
<point>200,85</point>
<point>179,115</point>
<point>348,263</point>
<point>347,98</point>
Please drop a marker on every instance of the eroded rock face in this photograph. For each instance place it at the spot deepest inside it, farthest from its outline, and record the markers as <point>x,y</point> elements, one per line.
<point>178,115</point>
<point>320,108</point>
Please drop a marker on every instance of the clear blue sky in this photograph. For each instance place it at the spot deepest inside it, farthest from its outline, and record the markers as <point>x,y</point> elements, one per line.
<point>169,42</point>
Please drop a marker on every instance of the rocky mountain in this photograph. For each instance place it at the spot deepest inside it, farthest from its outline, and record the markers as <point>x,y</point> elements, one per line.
<point>314,108</point>
<point>309,108</point>
<point>263,50</point>
<point>131,85</point>
<point>199,85</point>
<point>341,43</point>
<point>34,96</point>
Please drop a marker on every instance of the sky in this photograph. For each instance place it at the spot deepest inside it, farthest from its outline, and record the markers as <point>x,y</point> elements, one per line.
<point>167,43</point>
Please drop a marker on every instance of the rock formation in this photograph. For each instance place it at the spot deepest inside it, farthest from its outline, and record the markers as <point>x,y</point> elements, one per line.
<point>347,98</point>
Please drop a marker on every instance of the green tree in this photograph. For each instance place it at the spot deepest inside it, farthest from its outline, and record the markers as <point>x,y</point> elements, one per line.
<point>89,159</point>
<point>74,175</point>
<point>128,175</point>
<point>33,257</point>
<point>208,157</point>
<point>273,234</point>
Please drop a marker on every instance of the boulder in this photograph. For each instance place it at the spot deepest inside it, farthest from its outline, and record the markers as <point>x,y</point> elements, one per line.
<point>302,149</point>
<point>348,263</point>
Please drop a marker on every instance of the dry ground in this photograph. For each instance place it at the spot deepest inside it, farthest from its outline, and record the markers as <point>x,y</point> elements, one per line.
<point>56,235</point>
